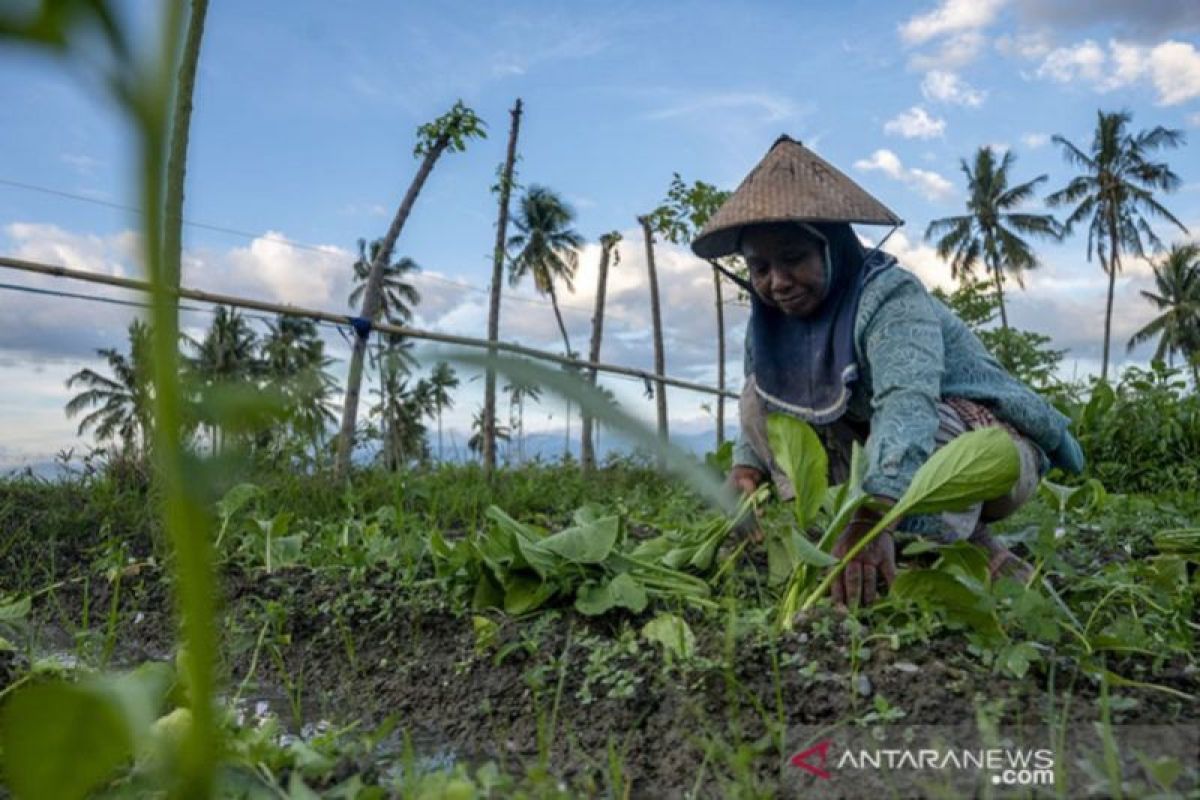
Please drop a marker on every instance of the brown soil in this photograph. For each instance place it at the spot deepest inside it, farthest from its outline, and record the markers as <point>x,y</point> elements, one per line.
<point>416,660</point>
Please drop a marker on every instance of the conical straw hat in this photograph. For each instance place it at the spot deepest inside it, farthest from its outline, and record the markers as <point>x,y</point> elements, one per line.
<point>790,183</point>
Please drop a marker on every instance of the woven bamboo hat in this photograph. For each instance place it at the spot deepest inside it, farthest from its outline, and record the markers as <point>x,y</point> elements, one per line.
<point>791,183</point>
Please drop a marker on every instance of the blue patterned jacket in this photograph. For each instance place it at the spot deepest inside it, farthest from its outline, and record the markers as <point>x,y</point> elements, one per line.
<point>912,351</point>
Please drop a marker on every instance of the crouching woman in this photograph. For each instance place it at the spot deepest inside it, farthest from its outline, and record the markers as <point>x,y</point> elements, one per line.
<point>849,342</point>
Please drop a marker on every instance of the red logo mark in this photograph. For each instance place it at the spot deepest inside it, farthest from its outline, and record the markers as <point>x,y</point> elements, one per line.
<point>801,760</point>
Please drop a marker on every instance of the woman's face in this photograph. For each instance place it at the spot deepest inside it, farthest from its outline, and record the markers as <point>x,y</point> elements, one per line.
<point>786,268</point>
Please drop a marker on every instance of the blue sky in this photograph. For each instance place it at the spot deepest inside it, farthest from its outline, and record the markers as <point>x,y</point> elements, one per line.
<point>306,111</point>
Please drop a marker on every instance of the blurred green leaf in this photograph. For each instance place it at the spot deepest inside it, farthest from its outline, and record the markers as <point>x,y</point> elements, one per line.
<point>62,740</point>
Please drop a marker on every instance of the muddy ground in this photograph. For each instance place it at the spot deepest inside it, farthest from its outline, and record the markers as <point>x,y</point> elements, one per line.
<point>729,718</point>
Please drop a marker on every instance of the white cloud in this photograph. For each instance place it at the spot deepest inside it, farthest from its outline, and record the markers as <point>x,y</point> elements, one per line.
<point>947,87</point>
<point>1175,72</point>
<point>83,164</point>
<point>954,52</point>
<point>915,124</point>
<point>1171,67</point>
<point>920,259</point>
<point>769,107</point>
<point>113,255</point>
<point>272,269</point>
<point>930,184</point>
<point>1035,140</point>
<point>1029,45</point>
<point>1066,64</point>
<point>1194,119</point>
<point>951,17</point>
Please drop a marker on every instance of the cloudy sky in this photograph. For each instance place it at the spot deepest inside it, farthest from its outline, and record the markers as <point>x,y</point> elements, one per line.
<point>304,125</point>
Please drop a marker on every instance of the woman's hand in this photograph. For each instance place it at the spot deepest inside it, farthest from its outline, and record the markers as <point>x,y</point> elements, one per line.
<point>857,584</point>
<point>744,480</point>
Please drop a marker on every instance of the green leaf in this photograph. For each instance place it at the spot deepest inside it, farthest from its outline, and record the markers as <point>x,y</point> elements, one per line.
<point>781,557</point>
<point>488,593</point>
<point>544,562</point>
<point>15,611</point>
<point>524,593</point>
<point>287,550</point>
<point>945,592</point>
<point>623,591</point>
<point>799,453</point>
<point>62,740</point>
<point>918,546</point>
<point>653,549</point>
<point>673,633</point>
<point>1164,770</point>
<point>588,543</point>
<point>235,499</point>
<point>1016,658</point>
<point>965,560</point>
<point>809,553</point>
<point>976,466</point>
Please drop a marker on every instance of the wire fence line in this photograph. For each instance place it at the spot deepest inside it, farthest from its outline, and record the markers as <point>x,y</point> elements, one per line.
<point>299,245</point>
<point>358,323</point>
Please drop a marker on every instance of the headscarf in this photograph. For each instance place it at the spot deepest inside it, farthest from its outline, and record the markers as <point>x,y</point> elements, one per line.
<point>805,366</point>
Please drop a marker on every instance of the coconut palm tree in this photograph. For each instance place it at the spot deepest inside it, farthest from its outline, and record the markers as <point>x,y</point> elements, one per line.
<point>548,251</point>
<point>991,231</point>
<point>1177,281</point>
<point>401,410</point>
<point>1115,195</point>
<point>122,401</point>
<point>475,443</point>
<point>226,356</point>
<point>518,393</point>
<point>442,381</point>
<point>447,133</point>
<point>294,361</point>
<point>547,247</point>
<point>228,350</point>
<point>610,255</point>
<point>397,298</point>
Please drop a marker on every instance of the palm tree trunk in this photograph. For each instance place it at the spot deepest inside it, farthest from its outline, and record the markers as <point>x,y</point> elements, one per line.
<point>371,304</point>
<point>656,322</point>
<point>999,279</point>
<point>567,344</point>
<point>587,453</point>
<point>1114,263</point>
<point>441,457</point>
<point>493,328</point>
<point>720,358</point>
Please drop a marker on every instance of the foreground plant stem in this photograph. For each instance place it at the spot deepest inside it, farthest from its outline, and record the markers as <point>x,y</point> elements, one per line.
<point>186,518</point>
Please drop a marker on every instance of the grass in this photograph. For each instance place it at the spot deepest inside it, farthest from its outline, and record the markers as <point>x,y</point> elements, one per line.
<point>356,624</point>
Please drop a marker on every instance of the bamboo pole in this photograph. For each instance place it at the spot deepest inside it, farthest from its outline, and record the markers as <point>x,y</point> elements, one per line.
<point>342,319</point>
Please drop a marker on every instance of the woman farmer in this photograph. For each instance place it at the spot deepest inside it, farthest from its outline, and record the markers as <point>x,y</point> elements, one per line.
<point>849,342</point>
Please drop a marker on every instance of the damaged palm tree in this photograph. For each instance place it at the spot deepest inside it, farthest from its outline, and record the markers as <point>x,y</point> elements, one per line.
<point>448,132</point>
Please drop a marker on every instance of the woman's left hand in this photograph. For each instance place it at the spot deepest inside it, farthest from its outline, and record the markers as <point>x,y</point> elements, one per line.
<point>857,583</point>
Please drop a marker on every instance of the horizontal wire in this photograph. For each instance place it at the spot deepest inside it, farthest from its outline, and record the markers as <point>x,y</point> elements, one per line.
<point>323,249</point>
